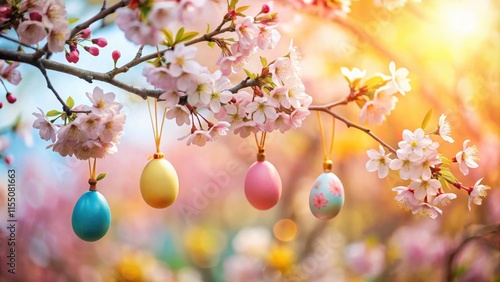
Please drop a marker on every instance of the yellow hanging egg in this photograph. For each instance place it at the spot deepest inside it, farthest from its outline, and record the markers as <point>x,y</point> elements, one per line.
<point>159,183</point>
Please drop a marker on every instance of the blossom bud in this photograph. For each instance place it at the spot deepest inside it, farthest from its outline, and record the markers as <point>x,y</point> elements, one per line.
<point>1,104</point>
<point>73,56</point>
<point>5,12</point>
<point>92,50</point>
<point>86,33</point>
<point>35,16</point>
<point>265,9</point>
<point>8,159</point>
<point>101,42</point>
<point>116,55</point>
<point>11,98</point>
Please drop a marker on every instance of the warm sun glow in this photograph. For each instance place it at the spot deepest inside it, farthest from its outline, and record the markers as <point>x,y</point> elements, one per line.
<point>462,21</point>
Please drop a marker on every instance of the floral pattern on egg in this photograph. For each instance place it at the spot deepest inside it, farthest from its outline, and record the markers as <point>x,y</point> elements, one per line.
<point>327,196</point>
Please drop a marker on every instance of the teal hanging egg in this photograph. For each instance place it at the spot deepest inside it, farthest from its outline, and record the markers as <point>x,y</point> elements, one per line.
<point>327,196</point>
<point>91,216</point>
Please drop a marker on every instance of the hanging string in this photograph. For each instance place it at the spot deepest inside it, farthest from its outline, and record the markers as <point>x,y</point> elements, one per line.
<point>261,155</point>
<point>327,164</point>
<point>92,181</point>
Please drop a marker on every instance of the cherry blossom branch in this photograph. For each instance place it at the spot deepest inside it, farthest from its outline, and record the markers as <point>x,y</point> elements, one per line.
<point>86,75</point>
<point>138,60</point>
<point>17,42</point>
<point>326,109</point>
<point>99,16</point>
<point>66,109</point>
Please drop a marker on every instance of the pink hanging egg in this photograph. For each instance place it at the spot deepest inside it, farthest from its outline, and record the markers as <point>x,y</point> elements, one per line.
<point>263,185</point>
<point>327,196</point>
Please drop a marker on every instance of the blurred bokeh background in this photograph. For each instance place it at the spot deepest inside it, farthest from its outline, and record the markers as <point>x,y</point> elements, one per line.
<point>211,233</point>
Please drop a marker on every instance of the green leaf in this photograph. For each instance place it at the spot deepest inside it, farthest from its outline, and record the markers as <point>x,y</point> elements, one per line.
<point>53,113</point>
<point>179,34</point>
<point>361,102</point>
<point>72,20</point>
<point>427,118</point>
<point>211,44</point>
<point>188,35</point>
<point>263,61</point>
<point>208,29</point>
<point>373,82</point>
<point>249,74</point>
<point>101,176</point>
<point>168,36</point>
<point>233,3</point>
<point>242,9</point>
<point>70,102</point>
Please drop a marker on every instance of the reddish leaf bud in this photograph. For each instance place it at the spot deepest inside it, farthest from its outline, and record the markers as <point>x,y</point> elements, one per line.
<point>101,42</point>
<point>116,55</point>
<point>9,159</point>
<point>35,16</point>
<point>86,33</point>
<point>11,98</point>
<point>265,9</point>
<point>73,56</point>
<point>92,50</point>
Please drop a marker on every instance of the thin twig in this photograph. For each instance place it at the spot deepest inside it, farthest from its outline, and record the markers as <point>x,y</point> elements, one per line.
<point>352,124</point>
<point>42,69</point>
<point>18,42</point>
<point>101,15</point>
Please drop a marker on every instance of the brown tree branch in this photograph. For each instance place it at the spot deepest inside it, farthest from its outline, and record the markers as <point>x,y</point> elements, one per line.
<point>326,109</point>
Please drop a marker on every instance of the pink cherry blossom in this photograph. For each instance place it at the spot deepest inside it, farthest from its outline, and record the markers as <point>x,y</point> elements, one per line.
<point>425,188</point>
<point>171,98</point>
<point>57,36</point>
<point>198,137</point>
<point>319,201</point>
<point>399,81</point>
<point>160,77</point>
<point>477,193</point>
<point>247,31</point>
<point>268,38</point>
<point>407,169</point>
<point>282,123</point>
<point>261,110</point>
<point>414,143</point>
<point>11,73</point>
<point>180,113</point>
<point>443,199</point>
<point>405,198</point>
<point>444,129</point>
<point>135,30</point>
<point>298,116</point>
<point>353,76</point>
<point>113,126</point>
<point>31,32</point>
<point>103,101</point>
<point>244,129</point>
<point>47,128</point>
<point>219,129</point>
<point>379,161</point>
<point>467,158</point>
<point>426,209</point>
<point>181,59</point>
<point>162,14</point>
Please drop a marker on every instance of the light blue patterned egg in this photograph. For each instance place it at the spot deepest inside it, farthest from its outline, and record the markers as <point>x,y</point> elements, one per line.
<point>327,196</point>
